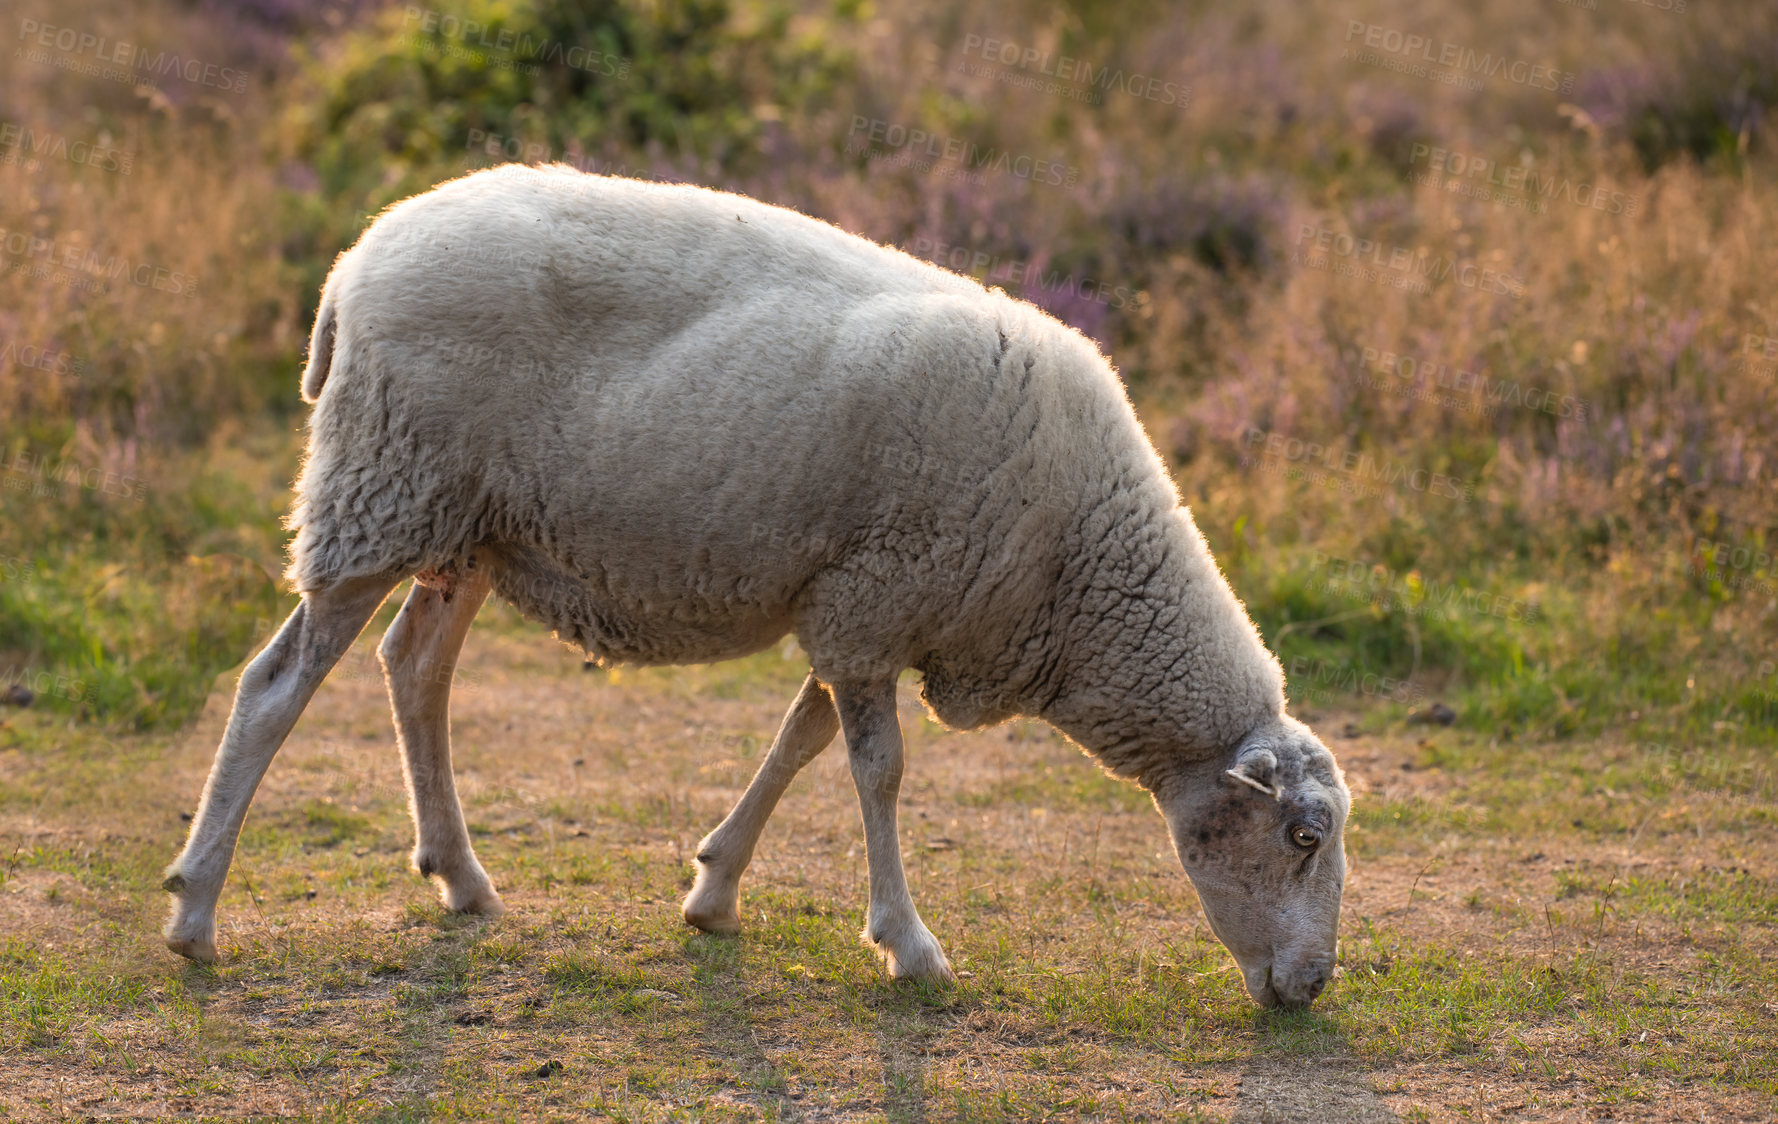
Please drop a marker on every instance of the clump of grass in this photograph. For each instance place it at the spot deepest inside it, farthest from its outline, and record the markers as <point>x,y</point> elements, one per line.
<point>47,998</point>
<point>330,825</point>
<point>124,622</point>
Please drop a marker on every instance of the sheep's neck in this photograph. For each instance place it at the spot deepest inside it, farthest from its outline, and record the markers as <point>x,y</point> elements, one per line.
<point>1165,673</point>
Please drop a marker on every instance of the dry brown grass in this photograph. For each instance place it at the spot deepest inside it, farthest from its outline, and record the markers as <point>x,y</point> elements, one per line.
<point>1564,908</point>
<point>1094,986</point>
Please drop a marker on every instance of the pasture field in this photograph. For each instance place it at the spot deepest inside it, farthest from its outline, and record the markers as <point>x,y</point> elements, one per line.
<point>1567,931</point>
<point>1452,321</point>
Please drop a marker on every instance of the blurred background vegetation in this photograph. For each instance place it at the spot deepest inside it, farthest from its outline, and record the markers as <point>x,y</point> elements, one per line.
<point>1574,584</point>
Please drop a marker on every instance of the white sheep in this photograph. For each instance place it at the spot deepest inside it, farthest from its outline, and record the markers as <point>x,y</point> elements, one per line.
<point>676,424</point>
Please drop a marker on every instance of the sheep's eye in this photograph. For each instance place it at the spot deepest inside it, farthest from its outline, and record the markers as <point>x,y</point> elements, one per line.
<point>1304,837</point>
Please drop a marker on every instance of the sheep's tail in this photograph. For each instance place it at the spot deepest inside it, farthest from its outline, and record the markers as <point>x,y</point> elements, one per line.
<point>320,349</point>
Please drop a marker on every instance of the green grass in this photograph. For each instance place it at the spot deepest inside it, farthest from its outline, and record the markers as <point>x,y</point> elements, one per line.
<point>1545,981</point>
<point>124,610</point>
<point>1568,893</point>
<point>121,630</point>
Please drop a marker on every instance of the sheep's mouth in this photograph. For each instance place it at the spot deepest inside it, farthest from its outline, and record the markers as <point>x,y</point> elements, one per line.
<point>1266,995</point>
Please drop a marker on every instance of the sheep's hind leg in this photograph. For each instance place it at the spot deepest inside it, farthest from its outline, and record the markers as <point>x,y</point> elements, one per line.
<point>272,693</point>
<point>873,744</point>
<point>419,657</point>
<point>724,854</point>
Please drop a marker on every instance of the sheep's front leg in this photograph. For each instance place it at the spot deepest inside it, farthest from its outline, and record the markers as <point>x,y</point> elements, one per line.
<point>873,743</point>
<point>272,693</point>
<point>419,657</point>
<point>724,854</point>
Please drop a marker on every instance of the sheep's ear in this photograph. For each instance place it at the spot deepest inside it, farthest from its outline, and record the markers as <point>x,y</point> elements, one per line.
<point>1255,769</point>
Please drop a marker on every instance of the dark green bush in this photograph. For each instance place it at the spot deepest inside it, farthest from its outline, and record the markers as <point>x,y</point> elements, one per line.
<point>683,84</point>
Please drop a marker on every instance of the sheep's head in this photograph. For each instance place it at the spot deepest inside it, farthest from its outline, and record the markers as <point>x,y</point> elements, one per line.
<point>1260,833</point>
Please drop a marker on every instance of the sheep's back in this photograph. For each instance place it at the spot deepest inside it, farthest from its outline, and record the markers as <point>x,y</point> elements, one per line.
<point>707,414</point>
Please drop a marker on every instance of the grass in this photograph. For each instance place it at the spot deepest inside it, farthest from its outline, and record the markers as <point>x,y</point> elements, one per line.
<point>1562,900</point>
<point>1510,927</point>
<point>1591,434</point>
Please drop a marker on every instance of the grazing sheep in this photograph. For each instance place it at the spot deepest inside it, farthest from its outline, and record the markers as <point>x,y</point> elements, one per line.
<point>675,425</point>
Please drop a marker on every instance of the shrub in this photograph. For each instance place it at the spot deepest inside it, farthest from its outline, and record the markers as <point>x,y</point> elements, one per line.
<point>678,84</point>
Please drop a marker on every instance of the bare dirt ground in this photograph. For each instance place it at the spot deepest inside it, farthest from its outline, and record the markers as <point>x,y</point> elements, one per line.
<point>1517,945</point>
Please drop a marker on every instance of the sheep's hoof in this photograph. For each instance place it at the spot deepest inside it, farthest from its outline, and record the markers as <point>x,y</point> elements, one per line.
<point>192,938</point>
<point>190,931</point>
<point>481,902</point>
<point>201,950</point>
<point>715,925</point>
<point>464,887</point>
<point>921,969</point>
<point>920,959</point>
<point>701,913</point>
<point>711,905</point>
